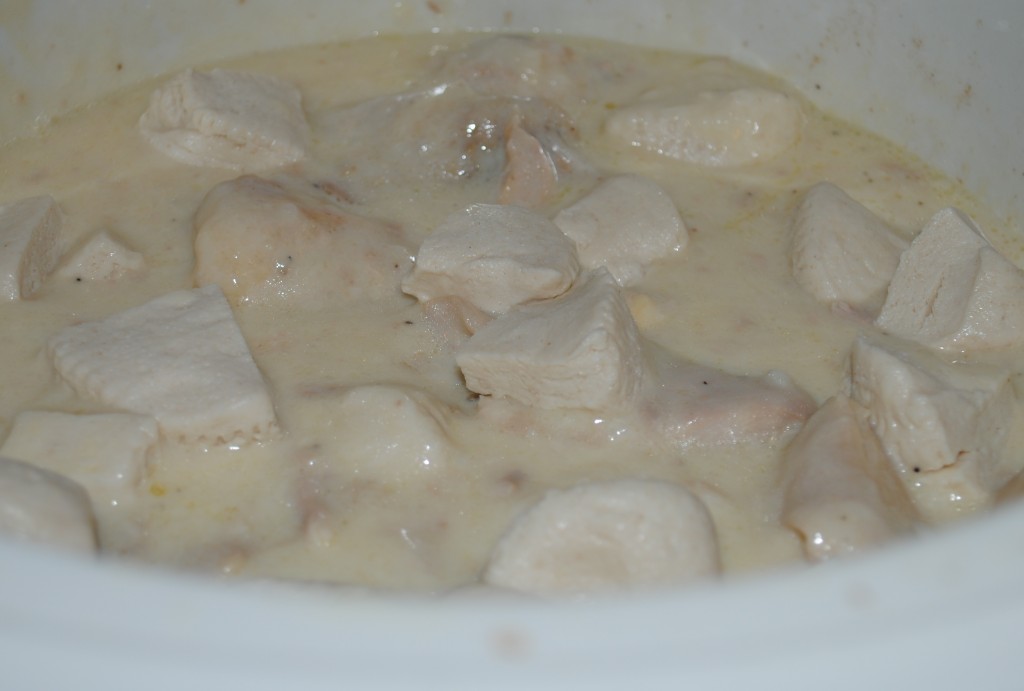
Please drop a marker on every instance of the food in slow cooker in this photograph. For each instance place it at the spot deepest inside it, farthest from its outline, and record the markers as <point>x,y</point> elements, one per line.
<point>554,315</point>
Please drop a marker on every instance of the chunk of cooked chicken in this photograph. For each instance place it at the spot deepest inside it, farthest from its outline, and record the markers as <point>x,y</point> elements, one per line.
<point>29,245</point>
<point>38,505</point>
<point>264,240</point>
<point>624,224</point>
<point>227,119</point>
<point>607,536</point>
<point>712,128</point>
<point>106,453</point>
<point>382,440</point>
<point>953,290</point>
<point>579,350</point>
<point>840,493</point>
<point>180,358</point>
<point>494,257</point>
<point>447,323</point>
<point>687,404</point>
<point>100,258</point>
<point>943,426</point>
<point>390,434</point>
<point>841,252</point>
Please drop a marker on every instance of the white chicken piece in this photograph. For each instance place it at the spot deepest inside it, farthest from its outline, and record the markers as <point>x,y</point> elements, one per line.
<point>494,257</point>
<point>624,224</point>
<point>579,350</point>
<point>29,245</point>
<point>953,290</point>
<point>687,405</point>
<point>943,426</point>
<point>106,453</point>
<point>840,493</point>
<point>712,128</point>
<point>227,119</point>
<point>101,258</point>
<point>841,252</point>
<point>265,240</point>
<point>682,406</point>
<point>607,536</point>
<point>366,441</point>
<point>180,358</point>
<point>37,505</point>
<point>389,434</point>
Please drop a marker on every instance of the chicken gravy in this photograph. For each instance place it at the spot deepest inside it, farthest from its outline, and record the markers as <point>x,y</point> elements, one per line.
<point>332,496</point>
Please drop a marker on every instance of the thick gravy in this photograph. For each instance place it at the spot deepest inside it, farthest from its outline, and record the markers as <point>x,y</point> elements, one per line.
<point>341,495</point>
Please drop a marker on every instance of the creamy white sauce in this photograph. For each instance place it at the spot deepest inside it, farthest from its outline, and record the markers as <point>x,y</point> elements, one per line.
<point>727,301</point>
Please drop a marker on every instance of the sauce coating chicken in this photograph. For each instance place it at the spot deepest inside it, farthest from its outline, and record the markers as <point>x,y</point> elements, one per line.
<point>554,315</point>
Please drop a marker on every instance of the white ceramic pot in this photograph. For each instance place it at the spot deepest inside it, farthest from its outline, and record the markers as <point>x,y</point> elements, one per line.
<point>941,77</point>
